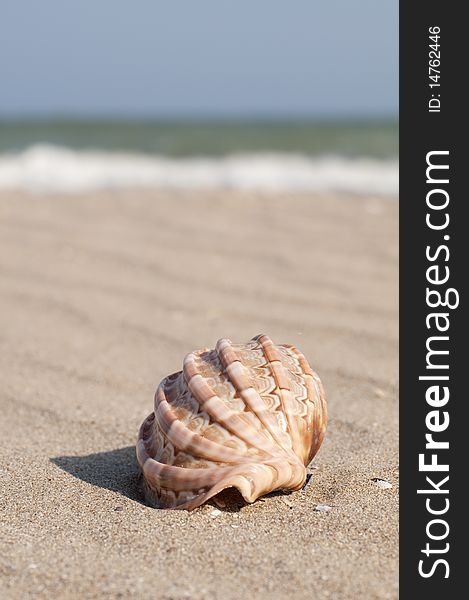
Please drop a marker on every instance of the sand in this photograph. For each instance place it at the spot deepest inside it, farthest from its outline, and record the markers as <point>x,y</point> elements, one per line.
<point>101,296</point>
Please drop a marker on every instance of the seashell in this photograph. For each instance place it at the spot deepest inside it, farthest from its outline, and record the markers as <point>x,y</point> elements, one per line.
<point>249,416</point>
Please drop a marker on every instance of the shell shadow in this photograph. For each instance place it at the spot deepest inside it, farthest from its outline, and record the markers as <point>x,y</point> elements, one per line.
<point>228,500</point>
<point>231,500</point>
<point>115,470</point>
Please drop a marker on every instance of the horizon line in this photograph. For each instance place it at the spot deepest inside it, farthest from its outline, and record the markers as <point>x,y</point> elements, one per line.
<point>198,117</point>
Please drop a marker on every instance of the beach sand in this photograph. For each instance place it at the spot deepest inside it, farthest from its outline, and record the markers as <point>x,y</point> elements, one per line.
<point>101,296</point>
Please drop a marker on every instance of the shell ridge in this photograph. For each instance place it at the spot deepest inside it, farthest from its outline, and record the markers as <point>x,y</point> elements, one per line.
<point>185,440</point>
<point>219,412</point>
<point>251,397</point>
<point>317,395</point>
<point>281,378</point>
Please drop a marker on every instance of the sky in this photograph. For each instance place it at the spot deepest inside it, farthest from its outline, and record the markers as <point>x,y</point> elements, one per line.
<point>199,58</point>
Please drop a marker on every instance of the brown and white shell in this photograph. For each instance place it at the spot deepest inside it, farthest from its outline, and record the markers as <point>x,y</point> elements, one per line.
<point>249,416</point>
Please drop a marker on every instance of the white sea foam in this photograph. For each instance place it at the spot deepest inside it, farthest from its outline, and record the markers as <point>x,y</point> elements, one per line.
<point>52,169</point>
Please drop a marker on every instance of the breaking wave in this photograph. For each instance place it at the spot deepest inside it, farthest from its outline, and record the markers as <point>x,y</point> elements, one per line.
<point>53,169</point>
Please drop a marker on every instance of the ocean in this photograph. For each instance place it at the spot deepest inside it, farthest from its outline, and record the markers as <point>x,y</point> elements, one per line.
<point>74,156</point>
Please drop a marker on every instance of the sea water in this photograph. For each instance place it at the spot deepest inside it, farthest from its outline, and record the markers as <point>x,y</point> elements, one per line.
<point>267,155</point>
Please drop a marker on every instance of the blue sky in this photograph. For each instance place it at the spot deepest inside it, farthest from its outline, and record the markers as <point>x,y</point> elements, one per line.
<point>199,57</point>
